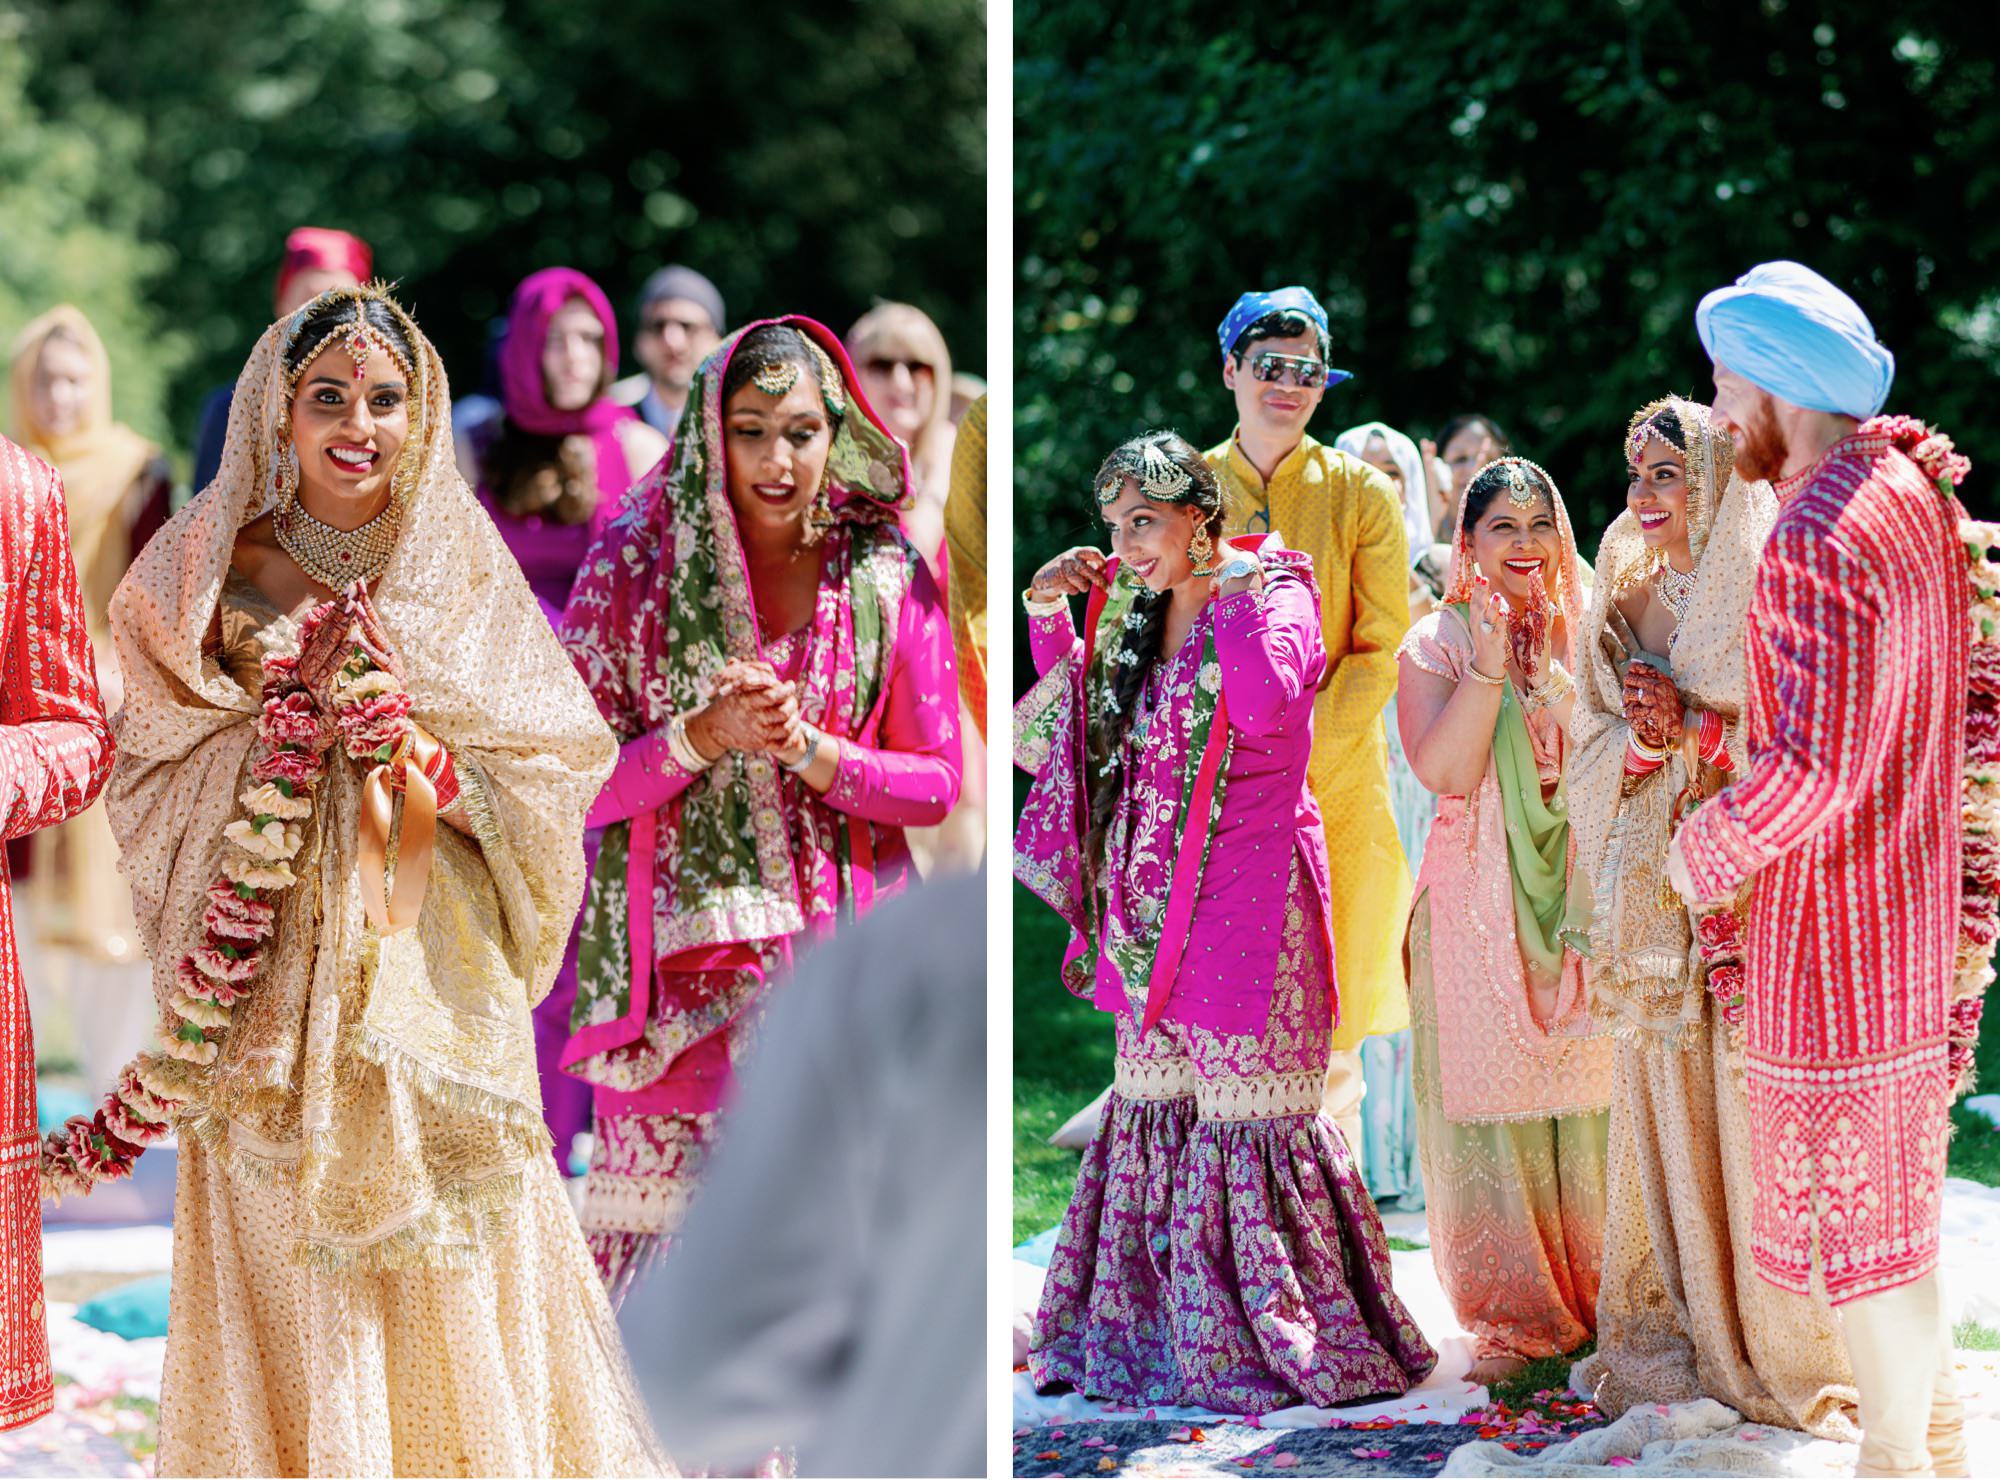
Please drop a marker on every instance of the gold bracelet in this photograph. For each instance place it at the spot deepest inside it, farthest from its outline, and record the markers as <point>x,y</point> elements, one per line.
<point>1472,671</point>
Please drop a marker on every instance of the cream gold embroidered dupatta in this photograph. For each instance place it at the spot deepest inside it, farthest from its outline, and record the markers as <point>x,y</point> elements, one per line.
<point>391,1081</point>
<point>1639,964</point>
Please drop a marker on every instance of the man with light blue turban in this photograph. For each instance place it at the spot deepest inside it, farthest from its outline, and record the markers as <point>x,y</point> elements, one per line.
<point>1787,329</point>
<point>1348,518</point>
<point>1844,831</point>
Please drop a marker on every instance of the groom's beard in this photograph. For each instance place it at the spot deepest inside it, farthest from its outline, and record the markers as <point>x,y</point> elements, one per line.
<point>1763,451</point>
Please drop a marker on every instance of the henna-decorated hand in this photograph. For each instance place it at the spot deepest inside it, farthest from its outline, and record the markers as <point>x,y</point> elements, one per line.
<point>1652,706</point>
<point>1069,574</point>
<point>1528,634</point>
<point>329,643</point>
<point>748,710</point>
<point>372,637</point>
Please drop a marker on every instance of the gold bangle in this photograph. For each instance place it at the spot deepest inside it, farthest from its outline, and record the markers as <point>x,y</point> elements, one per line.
<point>1472,671</point>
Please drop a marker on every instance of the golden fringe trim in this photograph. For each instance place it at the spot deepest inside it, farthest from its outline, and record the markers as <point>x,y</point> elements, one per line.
<point>478,803</point>
<point>1616,996</point>
<point>459,1208</point>
<point>451,1094</point>
<point>421,1243</point>
<point>211,1128</point>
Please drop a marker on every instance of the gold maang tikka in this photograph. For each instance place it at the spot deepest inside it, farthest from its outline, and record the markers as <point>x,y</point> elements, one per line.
<point>1520,492</point>
<point>777,378</point>
<point>357,337</point>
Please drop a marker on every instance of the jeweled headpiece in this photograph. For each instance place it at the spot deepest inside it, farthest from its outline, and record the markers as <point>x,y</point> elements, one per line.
<point>1513,471</point>
<point>1645,428</point>
<point>777,378</point>
<point>357,337</point>
<point>1159,477</point>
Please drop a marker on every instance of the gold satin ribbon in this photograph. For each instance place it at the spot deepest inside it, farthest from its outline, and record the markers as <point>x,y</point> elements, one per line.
<point>392,910</point>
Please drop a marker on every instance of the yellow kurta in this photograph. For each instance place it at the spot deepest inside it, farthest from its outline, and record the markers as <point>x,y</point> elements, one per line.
<point>1346,516</point>
<point>965,539</point>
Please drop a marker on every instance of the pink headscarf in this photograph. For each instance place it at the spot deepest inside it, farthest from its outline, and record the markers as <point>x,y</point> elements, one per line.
<point>522,389</point>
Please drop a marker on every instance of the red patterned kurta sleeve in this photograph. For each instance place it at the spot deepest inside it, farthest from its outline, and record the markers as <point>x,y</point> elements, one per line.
<point>1817,615</point>
<point>55,746</point>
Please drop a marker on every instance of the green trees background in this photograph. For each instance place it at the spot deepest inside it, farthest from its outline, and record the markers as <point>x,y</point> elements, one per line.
<point>1505,207</point>
<point>808,157</point>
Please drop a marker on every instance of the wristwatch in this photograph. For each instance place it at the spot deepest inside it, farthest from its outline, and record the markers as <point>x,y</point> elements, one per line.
<point>1239,565</point>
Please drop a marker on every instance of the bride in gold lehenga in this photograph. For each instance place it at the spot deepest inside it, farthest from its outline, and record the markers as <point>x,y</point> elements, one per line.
<point>376,1270</point>
<point>1681,1314</point>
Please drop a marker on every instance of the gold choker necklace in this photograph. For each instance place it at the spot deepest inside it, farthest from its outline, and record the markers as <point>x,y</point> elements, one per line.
<point>337,558</point>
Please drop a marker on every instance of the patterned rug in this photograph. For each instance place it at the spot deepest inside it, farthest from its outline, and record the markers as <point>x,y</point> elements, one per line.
<point>1382,1446</point>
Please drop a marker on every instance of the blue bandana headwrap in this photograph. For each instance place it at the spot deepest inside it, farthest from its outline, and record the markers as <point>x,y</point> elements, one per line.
<point>1253,306</point>
<point>1789,331</point>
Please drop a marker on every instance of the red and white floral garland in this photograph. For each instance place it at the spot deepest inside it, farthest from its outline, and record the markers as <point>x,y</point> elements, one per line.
<point>370,717</point>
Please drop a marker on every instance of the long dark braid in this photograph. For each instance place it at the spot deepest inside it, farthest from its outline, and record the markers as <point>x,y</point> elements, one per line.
<point>1135,647</point>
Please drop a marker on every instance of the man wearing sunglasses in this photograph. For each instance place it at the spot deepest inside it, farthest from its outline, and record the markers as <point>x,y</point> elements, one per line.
<point>1346,515</point>
<point>680,321</point>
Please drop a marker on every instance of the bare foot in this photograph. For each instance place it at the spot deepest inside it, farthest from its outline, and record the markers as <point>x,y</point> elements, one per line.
<point>1489,1370</point>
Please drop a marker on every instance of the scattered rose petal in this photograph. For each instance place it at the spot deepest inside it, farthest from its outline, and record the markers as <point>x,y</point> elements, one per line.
<point>1622,1461</point>
<point>1284,1461</point>
<point>1371,1454</point>
<point>1752,1434</point>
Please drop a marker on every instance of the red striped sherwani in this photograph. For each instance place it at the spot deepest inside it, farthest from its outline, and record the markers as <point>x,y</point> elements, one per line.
<point>55,751</point>
<point>1848,814</point>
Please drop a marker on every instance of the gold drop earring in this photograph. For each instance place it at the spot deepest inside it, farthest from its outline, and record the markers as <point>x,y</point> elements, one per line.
<point>1201,551</point>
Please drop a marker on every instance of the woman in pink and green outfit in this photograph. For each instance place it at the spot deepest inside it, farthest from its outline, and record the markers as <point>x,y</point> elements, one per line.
<point>771,653</point>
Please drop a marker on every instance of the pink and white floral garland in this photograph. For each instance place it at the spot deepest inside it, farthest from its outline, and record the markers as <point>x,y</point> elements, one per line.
<point>371,715</point>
